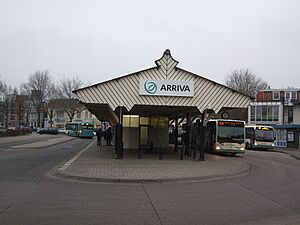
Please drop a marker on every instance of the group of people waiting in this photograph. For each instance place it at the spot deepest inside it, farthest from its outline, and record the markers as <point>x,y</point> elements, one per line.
<point>107,134</point>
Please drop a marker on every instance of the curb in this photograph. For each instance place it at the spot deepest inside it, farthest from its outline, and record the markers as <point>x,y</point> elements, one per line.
<point>288,153</point>
<point>247,169</point>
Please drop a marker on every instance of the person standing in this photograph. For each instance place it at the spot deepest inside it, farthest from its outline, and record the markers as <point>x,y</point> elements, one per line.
<point>108,135</point>
<point>99,136</point>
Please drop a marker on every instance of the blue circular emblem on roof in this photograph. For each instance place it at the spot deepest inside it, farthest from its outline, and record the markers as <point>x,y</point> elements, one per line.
<point>150,87</point>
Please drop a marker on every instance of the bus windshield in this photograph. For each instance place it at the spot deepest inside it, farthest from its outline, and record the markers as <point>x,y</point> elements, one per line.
<point>264,135</point>
<point>71,126</point>
<point>87,126</point>
<point>231,134</point>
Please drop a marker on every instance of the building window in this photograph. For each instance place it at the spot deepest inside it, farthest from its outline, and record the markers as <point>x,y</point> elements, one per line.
<point>288,95</point>
<point>131,121</point>
<point>86,114</point>
<point>144,121</point>
<point>270,116</point>
<point>276,113</point>
<point>252,113</point>
<point>258,112</point>
<point>60,114</point>
<point>78,115</point>
<point>161,122</point>
<point>294,95</point>
<point>264,113</point>
<point>290,115</point>
<point>276,95</point>
<point>91,115</point>
<point>281,134</point>
<point>290,136</point>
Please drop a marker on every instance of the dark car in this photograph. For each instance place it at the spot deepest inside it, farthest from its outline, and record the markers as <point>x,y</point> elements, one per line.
<point>49,130</point>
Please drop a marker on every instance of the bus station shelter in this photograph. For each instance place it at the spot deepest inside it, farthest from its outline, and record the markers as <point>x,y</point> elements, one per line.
<point>144,107</point>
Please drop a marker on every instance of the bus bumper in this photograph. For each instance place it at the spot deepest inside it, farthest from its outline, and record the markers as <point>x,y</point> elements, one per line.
<point>263,147</point>
<point>232,151</point>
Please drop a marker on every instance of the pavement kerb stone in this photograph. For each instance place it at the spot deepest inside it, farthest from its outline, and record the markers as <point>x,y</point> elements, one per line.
<point>296,157</point>
<point>287,153</point>
<point>247,169</point>
<point>57,172</point>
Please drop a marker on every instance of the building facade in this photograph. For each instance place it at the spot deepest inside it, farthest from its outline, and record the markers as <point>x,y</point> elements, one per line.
<point>281,109</point>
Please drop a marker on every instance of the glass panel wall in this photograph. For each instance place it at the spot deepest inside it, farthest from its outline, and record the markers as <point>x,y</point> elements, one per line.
<point>262,113</point>
<point>136,121</point>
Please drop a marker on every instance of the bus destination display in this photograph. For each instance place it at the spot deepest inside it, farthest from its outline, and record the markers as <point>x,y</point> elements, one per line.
<point>263,128</point>
<point>231,124</point>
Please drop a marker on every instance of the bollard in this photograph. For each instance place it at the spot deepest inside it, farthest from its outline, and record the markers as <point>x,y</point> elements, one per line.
<point>181,153</point>
<point>120,151</point>
<point>139,153</point>
<point>194,153</point>
<point>160,156</point>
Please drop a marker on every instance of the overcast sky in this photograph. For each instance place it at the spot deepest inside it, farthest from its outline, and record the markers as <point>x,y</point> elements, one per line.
<point>100,40</point>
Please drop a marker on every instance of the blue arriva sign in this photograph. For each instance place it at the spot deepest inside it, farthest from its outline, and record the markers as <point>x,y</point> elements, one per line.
<point>167,88</point>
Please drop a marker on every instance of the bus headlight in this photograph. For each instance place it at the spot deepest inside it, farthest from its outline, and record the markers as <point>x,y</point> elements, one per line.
<point>218,147</point>
<point>255,143</point>
<point>242,149</point>
<point>80,131</point>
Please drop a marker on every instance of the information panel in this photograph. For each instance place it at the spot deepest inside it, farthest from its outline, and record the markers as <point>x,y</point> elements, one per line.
<point>167,88</point>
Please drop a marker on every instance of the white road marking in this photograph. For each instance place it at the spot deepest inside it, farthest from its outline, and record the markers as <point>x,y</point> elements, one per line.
<point>67,164</point>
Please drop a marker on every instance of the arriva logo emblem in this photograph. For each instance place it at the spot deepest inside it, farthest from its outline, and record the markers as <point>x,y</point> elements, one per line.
<point>150,87</point>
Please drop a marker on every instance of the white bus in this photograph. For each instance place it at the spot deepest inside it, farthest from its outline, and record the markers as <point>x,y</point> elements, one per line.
<point>259,137</point>
<point>225,136</point>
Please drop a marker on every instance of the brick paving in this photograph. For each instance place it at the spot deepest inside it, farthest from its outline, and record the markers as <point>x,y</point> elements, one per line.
<point>99,164</point>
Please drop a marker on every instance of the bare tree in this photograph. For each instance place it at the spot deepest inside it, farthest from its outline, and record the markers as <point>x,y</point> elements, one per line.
<point>52,104</point>
<point>244,81</point>
<point>21,108</point>
<point>6,97</point>
<point>39,87</point>
<point>68,101</point>
<point>1,86</point>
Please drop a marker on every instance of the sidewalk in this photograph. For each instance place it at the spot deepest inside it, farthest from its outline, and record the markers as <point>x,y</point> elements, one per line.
<point>93,164</point>
<point>292,151</point>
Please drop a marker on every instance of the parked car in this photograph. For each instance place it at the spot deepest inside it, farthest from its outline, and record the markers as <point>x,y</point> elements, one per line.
<point>26,130</point>
<point>61,130</point>
<point>49,130</point>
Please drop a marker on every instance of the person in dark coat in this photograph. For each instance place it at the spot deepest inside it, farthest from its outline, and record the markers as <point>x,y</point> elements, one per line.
<point>108,136</point>
<point>99,136</point>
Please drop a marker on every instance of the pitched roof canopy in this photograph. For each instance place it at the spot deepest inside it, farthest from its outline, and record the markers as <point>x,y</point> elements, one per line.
<point>124,91</point>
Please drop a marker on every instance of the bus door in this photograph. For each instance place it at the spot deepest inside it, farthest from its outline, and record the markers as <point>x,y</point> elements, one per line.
<point>210,136</point>
<point>252,136</point>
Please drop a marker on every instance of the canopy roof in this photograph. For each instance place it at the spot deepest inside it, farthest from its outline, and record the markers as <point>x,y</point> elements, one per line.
<point>124,92</point>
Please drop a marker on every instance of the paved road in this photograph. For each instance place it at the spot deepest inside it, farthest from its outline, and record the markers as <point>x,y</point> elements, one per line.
<point>6,142</point>
<point>28,195</point>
